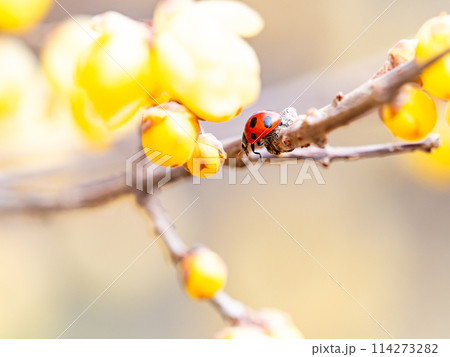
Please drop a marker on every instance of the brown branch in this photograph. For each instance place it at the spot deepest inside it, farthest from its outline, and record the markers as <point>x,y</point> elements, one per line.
<point>313,127</point>
<point>162,225</point>
<point>231,310</point>
<point>328,154</point>
<point>308,128</point>
<point>101,191</point>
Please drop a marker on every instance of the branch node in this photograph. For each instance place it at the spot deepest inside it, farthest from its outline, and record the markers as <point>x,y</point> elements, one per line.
<point>325,161</point>
<point>337,99</point>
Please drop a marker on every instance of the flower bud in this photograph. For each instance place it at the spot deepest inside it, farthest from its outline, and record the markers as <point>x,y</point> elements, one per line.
<point>169,130</point>
<point>412,115</point>
<point>203,273</point>
<point>208,157</point>
<point>434,38</point>
<point>402,52</point>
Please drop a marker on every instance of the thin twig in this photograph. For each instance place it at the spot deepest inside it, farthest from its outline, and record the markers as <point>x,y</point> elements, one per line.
<point>328,154</point>
<point>162,224</point>
<point>232,311</point>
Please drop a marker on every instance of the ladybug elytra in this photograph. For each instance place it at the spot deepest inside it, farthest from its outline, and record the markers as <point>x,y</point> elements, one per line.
<point>257,129</point>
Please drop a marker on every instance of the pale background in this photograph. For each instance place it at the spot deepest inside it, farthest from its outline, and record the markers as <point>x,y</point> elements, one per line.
<point>377,227</point>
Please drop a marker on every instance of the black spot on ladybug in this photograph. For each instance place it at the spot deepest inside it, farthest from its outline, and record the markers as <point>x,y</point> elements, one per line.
<point>253,122</point>
<point>267,121</point>
<point>253,135</point>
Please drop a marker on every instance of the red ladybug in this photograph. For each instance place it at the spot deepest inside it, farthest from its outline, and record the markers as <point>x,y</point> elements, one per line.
<point>257,129</point>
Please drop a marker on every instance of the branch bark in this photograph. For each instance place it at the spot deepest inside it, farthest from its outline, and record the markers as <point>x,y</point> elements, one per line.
<point>309,128</point>
<point>101,191</point>
<point>313,127</point>
<point>328,154</point>
<point>231,310</point>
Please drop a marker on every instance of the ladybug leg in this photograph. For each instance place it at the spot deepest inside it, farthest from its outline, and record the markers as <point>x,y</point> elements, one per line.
<point>253,150</point>
<point>244,144</point>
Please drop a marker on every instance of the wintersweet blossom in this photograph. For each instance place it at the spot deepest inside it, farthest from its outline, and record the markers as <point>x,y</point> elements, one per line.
<point>203,60</point>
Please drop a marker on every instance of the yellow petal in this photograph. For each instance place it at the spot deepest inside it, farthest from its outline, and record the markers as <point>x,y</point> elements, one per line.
<point>20,15</point>
<point>235,16</point>
<point>62,49</point>
<point>209,69</point>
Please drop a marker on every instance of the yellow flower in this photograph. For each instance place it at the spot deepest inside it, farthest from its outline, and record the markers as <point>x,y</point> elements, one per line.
<point>62,49</point>
<point>117,71</point>
<point>20,15</point>
<point>60,55</point>
<point>203,61</point>
<point>169,132</point>
<point>412,115</point>
<point>434,38</point>
<point>18,67</point>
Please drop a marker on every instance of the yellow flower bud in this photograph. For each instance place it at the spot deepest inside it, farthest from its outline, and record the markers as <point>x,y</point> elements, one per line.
<point>203,273</point>
<point>411,116</point>
<point>402,52</point>
<point>434,38</point>
<point>208,157</point>
<point>203,63</point>
<point>169,129</point>
<point>117,71</point>
<point>241,332</point>
<point>21,15</point>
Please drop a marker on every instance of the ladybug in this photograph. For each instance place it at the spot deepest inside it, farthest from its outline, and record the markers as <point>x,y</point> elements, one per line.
<point>259,128</point>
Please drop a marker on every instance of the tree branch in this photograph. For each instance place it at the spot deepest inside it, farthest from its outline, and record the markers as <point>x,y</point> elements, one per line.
<point>306,129</point>
<point>313,127</point>
<point>162,225</point>
<point>328,154</point>
<point>231,310</point>
<point>100,192</point>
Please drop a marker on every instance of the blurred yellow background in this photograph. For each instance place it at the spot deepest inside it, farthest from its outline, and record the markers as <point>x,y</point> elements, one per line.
<point>377,226</point>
